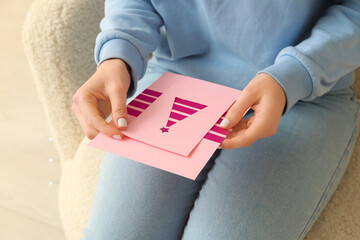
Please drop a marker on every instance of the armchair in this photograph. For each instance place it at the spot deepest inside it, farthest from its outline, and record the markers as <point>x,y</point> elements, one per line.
<point>59,38</point>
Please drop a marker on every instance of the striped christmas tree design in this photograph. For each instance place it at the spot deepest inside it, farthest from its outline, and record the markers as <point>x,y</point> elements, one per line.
<point>180,110</point>
<point>148,96</point>
<point>142,102</point>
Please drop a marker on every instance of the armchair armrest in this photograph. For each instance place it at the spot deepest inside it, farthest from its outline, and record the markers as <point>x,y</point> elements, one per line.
<point>59,38</point>
<point>356,84</point>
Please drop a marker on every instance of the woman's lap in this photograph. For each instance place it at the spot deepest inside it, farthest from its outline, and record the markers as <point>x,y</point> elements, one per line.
<point>274,189</point>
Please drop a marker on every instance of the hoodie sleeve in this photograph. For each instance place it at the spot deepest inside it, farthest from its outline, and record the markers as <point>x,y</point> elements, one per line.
<point>130,31</point>
<point>313,67</point>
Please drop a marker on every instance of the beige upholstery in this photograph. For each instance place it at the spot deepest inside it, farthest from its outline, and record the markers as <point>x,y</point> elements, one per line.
<point>59,37</point>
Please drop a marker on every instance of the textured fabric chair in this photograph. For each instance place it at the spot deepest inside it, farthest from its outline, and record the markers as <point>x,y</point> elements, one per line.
<point>59,37</point>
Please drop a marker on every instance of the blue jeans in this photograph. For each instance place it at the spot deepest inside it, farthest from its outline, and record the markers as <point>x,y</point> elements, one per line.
<point>274,189</point>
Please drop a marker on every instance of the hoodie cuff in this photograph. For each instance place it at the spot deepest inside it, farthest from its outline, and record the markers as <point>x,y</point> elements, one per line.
<point>121,48</point>
<point>292,77</point>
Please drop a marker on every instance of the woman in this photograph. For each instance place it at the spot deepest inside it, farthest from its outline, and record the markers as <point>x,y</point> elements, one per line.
<point>278,168</point>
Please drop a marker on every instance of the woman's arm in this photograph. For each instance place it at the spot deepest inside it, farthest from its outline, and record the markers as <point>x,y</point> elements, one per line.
<point>130,31</point>
<point>304,72</point>
<point>312,68</point>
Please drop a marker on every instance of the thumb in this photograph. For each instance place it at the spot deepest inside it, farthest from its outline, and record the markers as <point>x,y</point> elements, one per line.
<point>237,111</point>
<point>118,108</point>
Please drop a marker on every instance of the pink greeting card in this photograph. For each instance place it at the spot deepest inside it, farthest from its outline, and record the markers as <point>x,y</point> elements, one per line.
<point>174,124</point>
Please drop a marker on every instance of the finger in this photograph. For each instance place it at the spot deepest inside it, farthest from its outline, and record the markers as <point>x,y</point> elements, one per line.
<point>261,125</point>
<point>104,107</point>
<point>118,107</point>
<point>88,109</point>
<point>237,138</point>
<point>90,132</point>
<point>237,142</point>
<point>237,111</point>
<point>265,120</point>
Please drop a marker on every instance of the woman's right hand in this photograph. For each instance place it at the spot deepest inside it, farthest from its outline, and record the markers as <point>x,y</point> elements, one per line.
<point>104,93</point>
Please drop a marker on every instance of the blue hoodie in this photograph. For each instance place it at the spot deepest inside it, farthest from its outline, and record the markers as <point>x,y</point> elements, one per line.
<point>309,47</point>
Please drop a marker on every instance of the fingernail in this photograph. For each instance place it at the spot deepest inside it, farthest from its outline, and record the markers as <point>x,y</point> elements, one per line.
<point>122,122</point>
<point>118,137</point>
<point>224,123</point>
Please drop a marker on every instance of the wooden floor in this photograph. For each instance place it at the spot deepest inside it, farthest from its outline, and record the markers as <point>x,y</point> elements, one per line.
<point>28,205</point>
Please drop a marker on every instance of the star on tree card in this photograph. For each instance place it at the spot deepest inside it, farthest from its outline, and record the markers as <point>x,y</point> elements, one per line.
<point>173,125</point>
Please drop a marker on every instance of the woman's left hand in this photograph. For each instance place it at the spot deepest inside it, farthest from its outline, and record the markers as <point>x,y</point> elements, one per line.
<point>267,98</point>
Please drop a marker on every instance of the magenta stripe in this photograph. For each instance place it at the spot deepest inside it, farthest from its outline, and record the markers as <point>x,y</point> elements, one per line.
<point>138,104</point>
<point>133,112</point>
<point>220,130</point>
<point>219,121</point>
<point>146,98</point>
<point>214,137</point>
<point>190,103</point>
<point>184,109</point>
<point>177,116</point>
<point>170,123</point>
<point>152,92</point>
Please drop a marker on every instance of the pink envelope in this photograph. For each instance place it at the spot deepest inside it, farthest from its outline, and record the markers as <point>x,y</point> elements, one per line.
<point>173,125</point>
